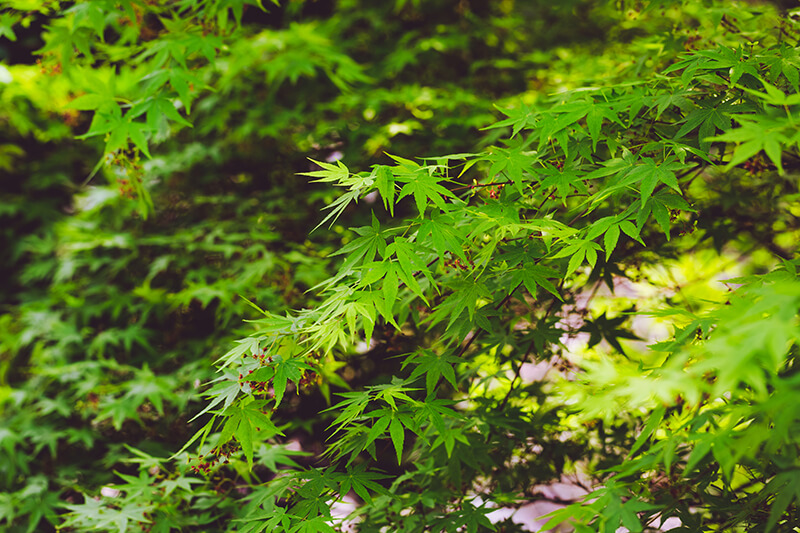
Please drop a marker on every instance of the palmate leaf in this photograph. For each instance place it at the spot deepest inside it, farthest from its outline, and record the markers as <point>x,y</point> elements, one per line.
<point>709,118</point>
<point>338,206</point>
<point>651,173</point>
<point>734,61</point>
<point>340,175</point>
<point>118,410</point>
<point>148,386</point>
<point>757,134</point>
<point>425,187</point>
<point>336,173</point>
<point>434,411</point>
<point>272,518</point>
<point>434,366</point>
<point>362,482</point>
<point>449,438</point>
<point>224,392</point>
<point>595,118</point>
<point>578,251</point>
<point>408,264</point>
<point>444,237</point>
<point>786,62</point>
<point>393,420</point>
<point>559,118</point>
<point>286,369</point>
<point>467,291</point>
<point>249,425</point>
<point>371,240</point>
<point>660,212</point>
<point>384,180</point>
<point>244,347</point>
<point>98,514</point>
<point>609,329</point>
<point>397,433</point>
<point>352,408</point>
<point>7,23</point>
<point>566,181</point>
<point>532,275</point>
<point>518,118</point>
<point>465,295</point>
<point>513,163</point>
<point>317,524</point>
<point>390,392</point>
<point>468,518</point>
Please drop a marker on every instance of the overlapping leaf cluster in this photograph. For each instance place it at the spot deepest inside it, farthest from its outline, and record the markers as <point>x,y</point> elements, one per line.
<point>478,273</point>
<point>462,274</point>
<point>122,280</point>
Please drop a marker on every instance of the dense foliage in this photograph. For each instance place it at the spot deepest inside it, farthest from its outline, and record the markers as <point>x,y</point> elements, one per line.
<point>576,266</point>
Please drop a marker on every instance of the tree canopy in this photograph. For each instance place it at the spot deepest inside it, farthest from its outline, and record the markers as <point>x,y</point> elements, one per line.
<point>318,265</point>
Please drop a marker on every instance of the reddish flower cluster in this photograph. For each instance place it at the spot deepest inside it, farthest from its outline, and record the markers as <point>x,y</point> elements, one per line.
<point>494,192</point>
<point>220,454</point>
<point>456,263</point>
<point>50,69</point>
<point>308,379</point>
<point>755,165</point>
<point>126,189</point>
<point>262,357</point>
<point>256,387</point>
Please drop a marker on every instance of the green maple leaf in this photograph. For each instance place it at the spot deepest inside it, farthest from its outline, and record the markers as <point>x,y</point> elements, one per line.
<point>181,482</point>
<point>425,187</point>
<point>757,134</point>
<point>565,181</point>
<point>609,329</point>
<point>244,347</point>
<point>384,180</point>
<point>532,275</point>
<point>318,524</point>
<point>396,390</point>
<point>444,236</point>
<point>148,386</point>
<point>651,173</point>
<point>408,264</point>
<point>271,455</point>
<point>362,482</point>
<point>371,240</point>
<point>786,62</point>
<point>578,251</point>
<point>249,425</point>
<point>136,486</point>
<point>118,410</point>
<point>268,519</point>
<point>709,117</point>
<point>286,369</point>
<point>434,366</point>
<point>673,99</point>
<point>449,438</point>
<point>7,23</point>
<point>511,162</point>
<point>352,408</point>
<point>435,410</point>
<point>225,391</point>
<point>465,296</point>
<point>518,118</point>
<point>594,121</point>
